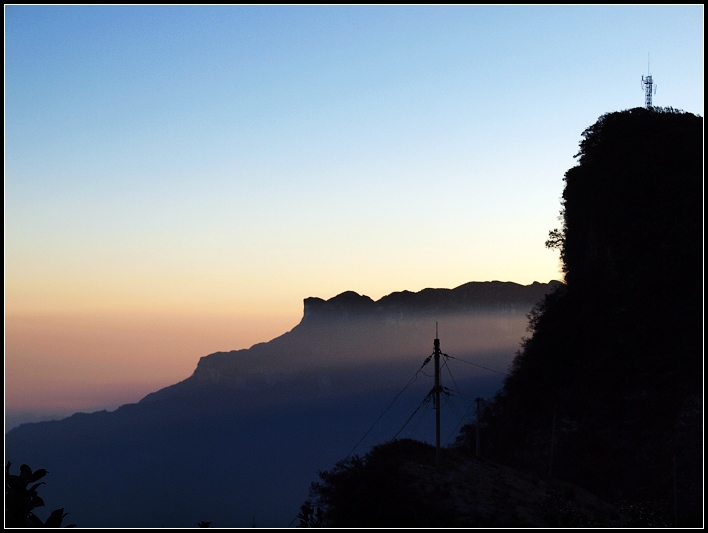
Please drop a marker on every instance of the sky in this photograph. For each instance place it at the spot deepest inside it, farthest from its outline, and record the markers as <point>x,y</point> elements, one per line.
<point>178,179</point>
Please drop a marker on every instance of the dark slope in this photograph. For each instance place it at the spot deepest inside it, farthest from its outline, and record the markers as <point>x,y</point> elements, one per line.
<point>241,439</point>
<point>398,484</point>
<point>616,355</point>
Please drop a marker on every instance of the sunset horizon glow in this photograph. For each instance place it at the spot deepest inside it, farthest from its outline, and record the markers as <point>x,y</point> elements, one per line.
<point>179,178</point>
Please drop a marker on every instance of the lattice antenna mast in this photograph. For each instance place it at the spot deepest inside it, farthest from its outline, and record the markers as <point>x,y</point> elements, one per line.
<point>649,86</point>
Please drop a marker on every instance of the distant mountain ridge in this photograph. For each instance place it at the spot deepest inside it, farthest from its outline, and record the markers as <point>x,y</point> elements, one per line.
<point>332,327</point>
<point>473,296</point>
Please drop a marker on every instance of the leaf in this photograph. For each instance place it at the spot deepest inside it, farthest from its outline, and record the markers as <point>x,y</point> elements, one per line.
<point>36,501</point>
<point>55,518</point>
<point>33,488</point>
<point>33,521</point>
<point>13,482</point>
<point>25,472</point>
<point>38,474</point>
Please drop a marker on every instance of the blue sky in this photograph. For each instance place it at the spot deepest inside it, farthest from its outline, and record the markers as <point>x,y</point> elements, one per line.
<point>229,161</point>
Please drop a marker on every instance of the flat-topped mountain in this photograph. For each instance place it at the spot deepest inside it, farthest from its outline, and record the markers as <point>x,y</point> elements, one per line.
<point>242,438</point>
<point>352,331</point>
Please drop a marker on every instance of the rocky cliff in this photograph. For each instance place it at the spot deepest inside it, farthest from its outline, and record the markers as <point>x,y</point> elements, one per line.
<point>351,330</point>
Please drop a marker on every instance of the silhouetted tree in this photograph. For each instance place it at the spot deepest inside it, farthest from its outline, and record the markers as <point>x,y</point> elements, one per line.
<point>21,500</point>
<point>310,516</point>
<point>376,491</point>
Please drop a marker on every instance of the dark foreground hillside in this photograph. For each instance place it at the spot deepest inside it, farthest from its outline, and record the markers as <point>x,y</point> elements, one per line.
<point>398,484</point>
<point>607,392</point>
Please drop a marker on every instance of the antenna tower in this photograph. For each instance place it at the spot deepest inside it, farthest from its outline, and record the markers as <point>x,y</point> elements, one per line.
<point>648,86</point>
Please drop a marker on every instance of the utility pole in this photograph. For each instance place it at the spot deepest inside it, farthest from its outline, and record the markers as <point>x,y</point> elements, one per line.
<point>436,390</point>
<point>477,400</point>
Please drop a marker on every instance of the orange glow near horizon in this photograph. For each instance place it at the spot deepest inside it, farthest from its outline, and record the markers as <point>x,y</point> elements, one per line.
<point>86,362</point>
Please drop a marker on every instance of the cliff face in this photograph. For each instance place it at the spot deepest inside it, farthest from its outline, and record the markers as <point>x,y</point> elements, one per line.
<point>351,330</point>
<point>616,358</point>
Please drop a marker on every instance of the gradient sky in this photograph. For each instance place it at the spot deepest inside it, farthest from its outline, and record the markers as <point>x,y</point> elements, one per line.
<point>178,179</point>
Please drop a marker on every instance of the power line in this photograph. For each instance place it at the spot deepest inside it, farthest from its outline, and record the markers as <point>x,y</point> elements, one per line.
<point>459,394</point>
<point>425,400</point>
<point>466,415</point>
<point>451,376</point>
<point>389,406</point>
<point>413,379</point>
<point>480,366</point>
<point>419,423</point>
<point>463,397</point>
<point>435,391</point>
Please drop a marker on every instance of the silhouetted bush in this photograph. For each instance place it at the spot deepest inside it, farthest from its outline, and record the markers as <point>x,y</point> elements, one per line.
<point>21,500</point>
<point>376,491</point>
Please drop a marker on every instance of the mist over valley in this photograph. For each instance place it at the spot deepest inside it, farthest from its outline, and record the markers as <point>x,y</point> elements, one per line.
<point>241,439</point>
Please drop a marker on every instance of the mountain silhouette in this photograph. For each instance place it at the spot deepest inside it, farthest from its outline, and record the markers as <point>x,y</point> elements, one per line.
<point>607,390</point>
<point>242,437</point>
